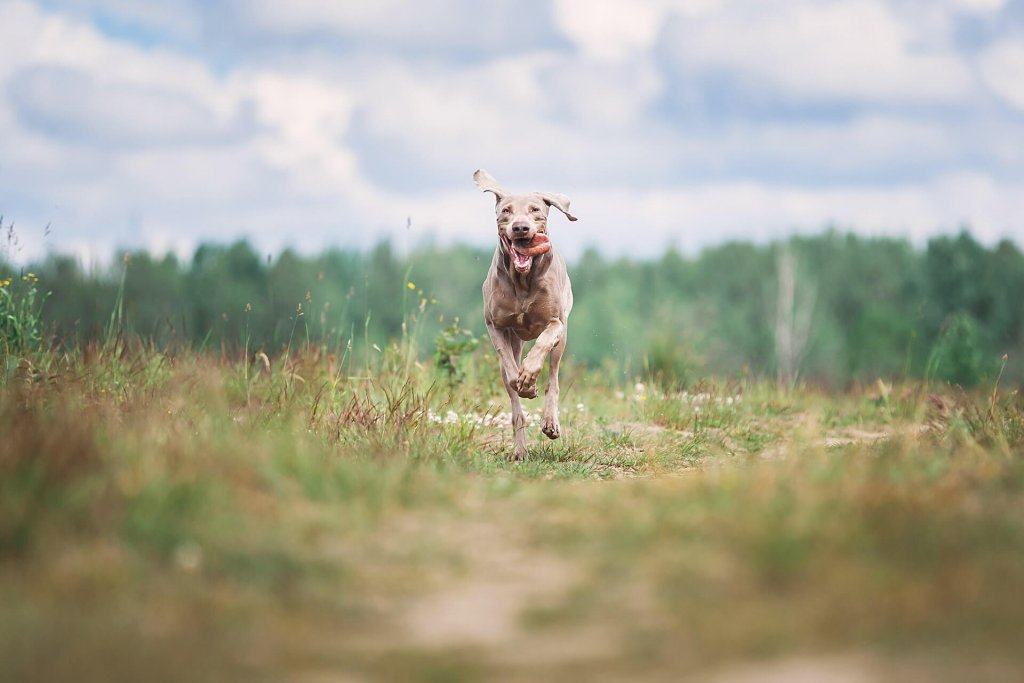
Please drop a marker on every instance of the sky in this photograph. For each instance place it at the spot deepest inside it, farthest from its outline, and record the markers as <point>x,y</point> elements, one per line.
<point>307,124</point>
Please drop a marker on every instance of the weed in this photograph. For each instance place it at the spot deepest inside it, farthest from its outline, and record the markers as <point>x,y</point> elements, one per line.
<point>21,316</point>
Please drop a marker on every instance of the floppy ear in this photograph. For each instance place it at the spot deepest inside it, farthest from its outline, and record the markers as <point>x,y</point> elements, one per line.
<point>559,201</point>
<point>486,182</point>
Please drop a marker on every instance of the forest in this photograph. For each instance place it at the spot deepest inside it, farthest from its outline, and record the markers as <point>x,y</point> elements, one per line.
<point>833,309</point>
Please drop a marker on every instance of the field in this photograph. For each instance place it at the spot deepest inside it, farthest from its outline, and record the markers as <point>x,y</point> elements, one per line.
<point>175,515</point>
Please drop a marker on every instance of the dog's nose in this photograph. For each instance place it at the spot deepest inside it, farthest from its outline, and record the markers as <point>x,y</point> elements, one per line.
<point>520,228</point>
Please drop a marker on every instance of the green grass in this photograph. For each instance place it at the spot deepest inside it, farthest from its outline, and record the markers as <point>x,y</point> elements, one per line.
<point>184,516</point>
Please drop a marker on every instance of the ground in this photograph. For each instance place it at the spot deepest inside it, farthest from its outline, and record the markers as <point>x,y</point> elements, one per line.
<point>191,517</point>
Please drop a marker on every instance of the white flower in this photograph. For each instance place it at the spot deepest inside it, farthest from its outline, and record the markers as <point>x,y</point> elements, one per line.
<point>580,407</point>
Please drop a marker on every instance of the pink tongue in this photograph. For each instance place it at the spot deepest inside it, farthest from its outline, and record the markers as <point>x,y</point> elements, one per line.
<point>520,260</point>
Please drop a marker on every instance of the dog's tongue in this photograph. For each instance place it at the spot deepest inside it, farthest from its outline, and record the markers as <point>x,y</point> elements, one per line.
<point>520,261</point>
<point>522,255</point>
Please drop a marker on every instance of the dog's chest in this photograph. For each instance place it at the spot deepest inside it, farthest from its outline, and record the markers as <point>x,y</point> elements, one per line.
<point>530,314</point>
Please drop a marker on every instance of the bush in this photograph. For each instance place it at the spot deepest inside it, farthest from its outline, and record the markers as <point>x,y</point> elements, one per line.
<point>958,356</point>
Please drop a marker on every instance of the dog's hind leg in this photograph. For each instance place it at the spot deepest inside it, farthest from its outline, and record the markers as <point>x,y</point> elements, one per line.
<point>510,349</point>
<point>549,424</point>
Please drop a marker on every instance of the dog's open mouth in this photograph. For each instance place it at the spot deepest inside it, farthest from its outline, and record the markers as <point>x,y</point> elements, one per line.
<point>522,251</point>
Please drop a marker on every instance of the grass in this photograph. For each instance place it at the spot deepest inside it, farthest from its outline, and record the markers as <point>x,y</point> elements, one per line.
<point>176,515</point>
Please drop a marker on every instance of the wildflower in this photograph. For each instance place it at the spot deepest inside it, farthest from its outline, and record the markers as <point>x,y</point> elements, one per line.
<point>189,556</point>
<point>248,308</point>
<point>411,286</point>
<point>580,407</point>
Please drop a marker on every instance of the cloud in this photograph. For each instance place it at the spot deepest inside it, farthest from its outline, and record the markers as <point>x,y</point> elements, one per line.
<point>71,104</point>
<point>314,124</point>
<point>977,6</point>
<point>442,27</point>
<point>848,50</point>
<point>1002,67</point>
<point>693,217</point>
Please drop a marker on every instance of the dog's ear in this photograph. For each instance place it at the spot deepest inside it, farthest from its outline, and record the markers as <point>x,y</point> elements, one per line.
<point>559,201</point>
<point>486,182</point>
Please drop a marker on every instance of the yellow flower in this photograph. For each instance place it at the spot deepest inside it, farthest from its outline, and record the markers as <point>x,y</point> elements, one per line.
<point>411,286</point>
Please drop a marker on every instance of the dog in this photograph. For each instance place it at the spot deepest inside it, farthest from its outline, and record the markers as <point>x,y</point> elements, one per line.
<point>527,296</point>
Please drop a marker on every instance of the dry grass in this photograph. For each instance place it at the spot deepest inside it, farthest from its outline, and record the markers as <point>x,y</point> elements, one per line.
<point>170,516</point>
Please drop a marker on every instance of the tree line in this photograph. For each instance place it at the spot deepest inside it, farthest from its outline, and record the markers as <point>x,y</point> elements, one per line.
<point>833,308</point>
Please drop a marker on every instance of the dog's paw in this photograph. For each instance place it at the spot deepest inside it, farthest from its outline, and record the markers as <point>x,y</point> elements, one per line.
<point>549,425</point>
<point>527,391</point>
<point>526,384</point>
<point>518,455</point>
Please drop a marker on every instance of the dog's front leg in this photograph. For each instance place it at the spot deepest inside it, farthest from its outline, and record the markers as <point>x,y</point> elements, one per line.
<point>509,348</point>
<point>526,382</point>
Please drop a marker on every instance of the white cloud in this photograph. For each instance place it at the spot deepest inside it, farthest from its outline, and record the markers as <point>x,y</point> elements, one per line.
<point>696,216</point>
<point>70,103</point>
<point>438,26</point>
<point>613,30</point>
<point>977,6</point>
<point>610,29</point>
<point>857,50</point>
<point>533,114</point>
<point>1002,67</point>
<point>117,143</point>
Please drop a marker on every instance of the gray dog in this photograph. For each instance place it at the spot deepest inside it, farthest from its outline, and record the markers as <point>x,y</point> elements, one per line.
<point>527,296</point>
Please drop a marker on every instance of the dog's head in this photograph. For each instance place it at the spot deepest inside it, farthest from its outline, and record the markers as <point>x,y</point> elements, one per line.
<point>520,217</point>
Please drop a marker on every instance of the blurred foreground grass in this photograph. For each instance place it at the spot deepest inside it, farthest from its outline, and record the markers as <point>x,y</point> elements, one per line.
<point>180,516</point>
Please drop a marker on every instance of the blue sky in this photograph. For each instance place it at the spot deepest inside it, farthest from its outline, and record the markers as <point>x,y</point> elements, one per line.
<point>688,122</point>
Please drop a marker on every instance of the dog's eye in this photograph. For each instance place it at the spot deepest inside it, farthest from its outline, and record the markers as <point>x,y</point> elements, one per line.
<point>534,209</point>
<point>507,210</point>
